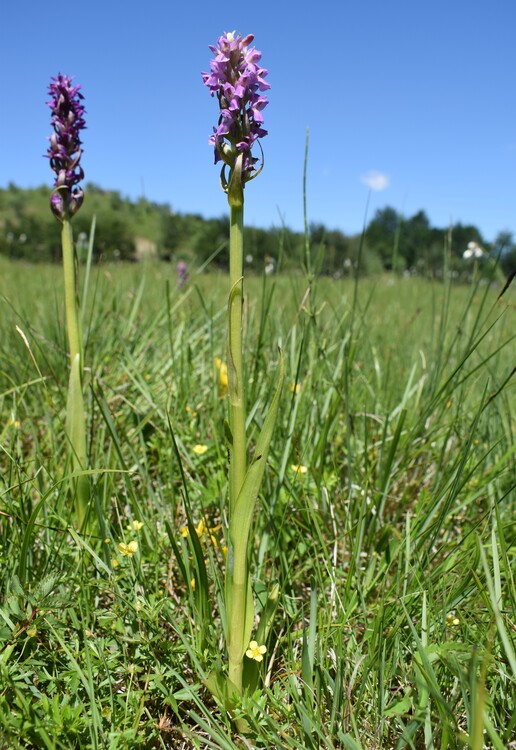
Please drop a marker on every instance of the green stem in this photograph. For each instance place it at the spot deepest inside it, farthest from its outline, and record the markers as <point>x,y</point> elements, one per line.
<point>75,417</point>
<point>72,320</point>
<point>308,256</point>
<point>238,464</point>
<point>237,593</point>
<point>236,646</point>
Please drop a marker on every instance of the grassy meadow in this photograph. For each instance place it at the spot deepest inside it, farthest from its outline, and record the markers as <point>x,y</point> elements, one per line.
<point>385,524</point>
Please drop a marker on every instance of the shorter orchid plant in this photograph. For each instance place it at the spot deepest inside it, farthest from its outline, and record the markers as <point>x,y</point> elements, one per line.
<point>64,152</point>
<point>237,80</point>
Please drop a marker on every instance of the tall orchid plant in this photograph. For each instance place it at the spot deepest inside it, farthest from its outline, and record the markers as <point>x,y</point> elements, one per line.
<point>237,81</point>
<point>64,152</point>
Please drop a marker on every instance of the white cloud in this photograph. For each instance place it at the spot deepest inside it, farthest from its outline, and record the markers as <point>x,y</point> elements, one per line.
<point>375,180</point>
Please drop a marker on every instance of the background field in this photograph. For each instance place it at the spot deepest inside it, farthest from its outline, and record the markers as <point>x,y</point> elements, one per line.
<point>394,550</point>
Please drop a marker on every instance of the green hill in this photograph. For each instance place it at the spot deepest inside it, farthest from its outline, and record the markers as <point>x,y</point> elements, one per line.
<point>132,230</point>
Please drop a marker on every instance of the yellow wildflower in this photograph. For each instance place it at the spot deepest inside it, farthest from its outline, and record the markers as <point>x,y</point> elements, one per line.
<point>255,651</point>
<point>299,468</point>
<point>127,550</point>
<point>222,369</point>
<point>32,631</point>
<point>192,584</point>
<point>295,387</point>
<point>452,620</point>
<point>200,449</point>
<point>135,526</point>
<point>201,529</point>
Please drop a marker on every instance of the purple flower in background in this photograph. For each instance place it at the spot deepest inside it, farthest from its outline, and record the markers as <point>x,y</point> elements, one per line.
<point>182,273</point>
<point>236,79</point>
<point>65,148</point>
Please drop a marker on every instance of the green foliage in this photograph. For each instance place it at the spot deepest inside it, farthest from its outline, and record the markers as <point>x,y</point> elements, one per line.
<point>394,626</point>
<point>133,230</point>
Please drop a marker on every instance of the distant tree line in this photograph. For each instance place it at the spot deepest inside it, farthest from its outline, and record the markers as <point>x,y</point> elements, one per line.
<point>130,230</point>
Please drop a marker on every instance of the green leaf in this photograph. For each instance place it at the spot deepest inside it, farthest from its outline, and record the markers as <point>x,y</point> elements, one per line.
<point>239,528</point>
<point>399,708</point>
<point>240,524</point>
<point>248,619</point>
<point>222,689</point>
<point>268,613</point>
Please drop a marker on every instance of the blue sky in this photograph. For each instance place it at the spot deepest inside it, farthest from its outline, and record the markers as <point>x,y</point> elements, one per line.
<point>413,96</point>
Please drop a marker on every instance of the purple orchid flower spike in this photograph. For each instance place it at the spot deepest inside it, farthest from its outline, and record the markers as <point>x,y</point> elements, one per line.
<point>65,148</point>
<point>182,274</point>
<point>237,80</point>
